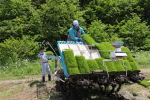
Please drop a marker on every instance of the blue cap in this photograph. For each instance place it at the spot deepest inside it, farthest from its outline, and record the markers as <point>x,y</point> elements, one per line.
<point>76,25</point>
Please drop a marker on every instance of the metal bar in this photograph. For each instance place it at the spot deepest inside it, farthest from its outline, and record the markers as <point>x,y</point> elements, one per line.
<point>63,62</point>
<point>61,80</point>
<point>53,57</point>
<point>106,68</point>
<point>52,49</point>
<point>124,66</point>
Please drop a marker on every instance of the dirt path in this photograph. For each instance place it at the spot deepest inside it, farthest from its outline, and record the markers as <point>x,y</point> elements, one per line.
<point>28,89</point>
<point>16,81</point>
<point>26,79</point>
<point>31,88</point>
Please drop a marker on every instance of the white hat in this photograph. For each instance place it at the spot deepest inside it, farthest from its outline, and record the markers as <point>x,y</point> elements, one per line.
<point>75,23</point>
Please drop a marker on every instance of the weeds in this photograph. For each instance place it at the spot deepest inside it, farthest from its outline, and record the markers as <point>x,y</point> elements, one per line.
<point>148,96</point>
<point>10,92</point>
<point>142,58</point>
<point>23,68</point>
<point>134,94</point>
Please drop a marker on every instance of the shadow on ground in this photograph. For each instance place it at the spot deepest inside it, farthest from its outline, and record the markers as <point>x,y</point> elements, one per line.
<point>47,91</point>
<point>55,95</point>
<point>42,91</point>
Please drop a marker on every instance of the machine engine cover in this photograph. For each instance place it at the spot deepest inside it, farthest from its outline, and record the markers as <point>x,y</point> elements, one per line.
<point>118,54</point>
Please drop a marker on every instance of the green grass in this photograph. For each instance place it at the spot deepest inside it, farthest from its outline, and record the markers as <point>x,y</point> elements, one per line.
<point>142,58</point>
<point>100,63</point>
<point>134,66</point>
<point>82,64</point>
<point>126,63</point>
<point>92,64</point>
<point>145,83</point>
<point>110,66</point>
<point>103,51</point>
<point>6,93</point>
<point>70,61</point>
<point>89,40</point>
<point>135,94</point>
<point>74,70</point>
<point>69,58</point>
<point>130,56</point>
<point>22,69</point>
<point>109,46</point>
<point>119,66</point>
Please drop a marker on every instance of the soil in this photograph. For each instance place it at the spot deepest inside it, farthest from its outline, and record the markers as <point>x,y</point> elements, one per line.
<point>33,89</point>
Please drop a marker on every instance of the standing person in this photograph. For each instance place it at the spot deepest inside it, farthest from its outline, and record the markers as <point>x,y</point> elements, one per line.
<point>45,66</point>
<point>75,32</point>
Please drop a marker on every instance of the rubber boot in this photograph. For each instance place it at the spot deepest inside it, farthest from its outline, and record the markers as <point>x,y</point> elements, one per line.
<point>49,77</point>
<point>43,79</point>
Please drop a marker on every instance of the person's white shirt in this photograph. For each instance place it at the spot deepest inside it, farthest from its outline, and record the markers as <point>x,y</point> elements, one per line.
<point>43,57</point>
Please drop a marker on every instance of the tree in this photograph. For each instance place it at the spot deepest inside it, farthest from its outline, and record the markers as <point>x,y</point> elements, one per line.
<point>19,17</point>
<point>102,32</point>
<point>145,5</point>
<point>57,17</point>
<point>110,11</point>
<point>13,49</point>
<point>135,33</point>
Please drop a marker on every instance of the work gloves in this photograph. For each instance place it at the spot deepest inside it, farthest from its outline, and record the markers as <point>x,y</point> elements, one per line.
<point>79,39</point>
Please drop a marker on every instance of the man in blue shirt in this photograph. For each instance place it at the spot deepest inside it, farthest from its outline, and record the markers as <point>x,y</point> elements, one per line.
<point>75,32</point>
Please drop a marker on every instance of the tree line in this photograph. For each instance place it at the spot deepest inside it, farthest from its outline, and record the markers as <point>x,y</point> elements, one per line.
<point>50,20</point>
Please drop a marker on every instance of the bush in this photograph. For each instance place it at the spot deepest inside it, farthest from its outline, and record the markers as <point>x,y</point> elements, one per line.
<point>92,64</point>
<point>49,53</point>
<point>82,64</point>
<point>13,49</point>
